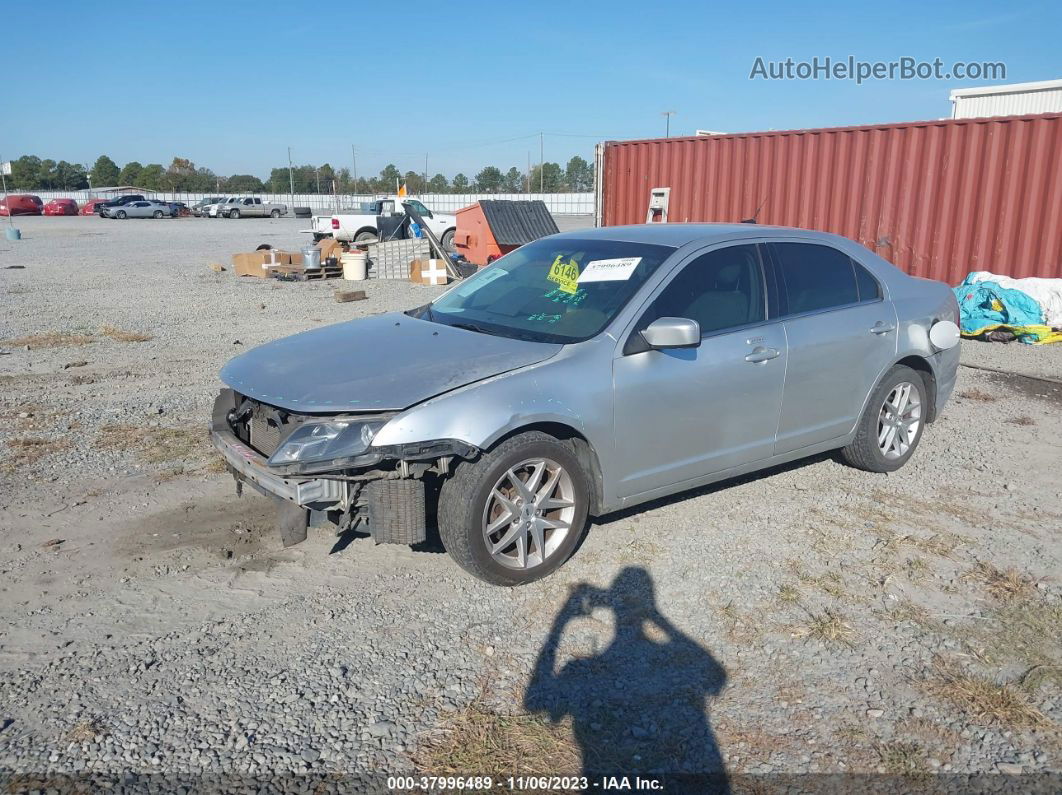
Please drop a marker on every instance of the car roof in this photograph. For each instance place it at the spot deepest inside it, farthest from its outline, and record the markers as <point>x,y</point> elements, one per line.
<point>678,235</point>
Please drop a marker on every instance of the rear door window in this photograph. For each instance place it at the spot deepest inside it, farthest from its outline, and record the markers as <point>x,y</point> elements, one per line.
<point>814,277</point>
<point>869,289</point>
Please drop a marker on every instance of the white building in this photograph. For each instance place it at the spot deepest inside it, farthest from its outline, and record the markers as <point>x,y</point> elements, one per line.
<point>1017,99</point>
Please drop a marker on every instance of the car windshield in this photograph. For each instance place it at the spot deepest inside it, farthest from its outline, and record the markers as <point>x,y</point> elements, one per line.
<point>556,290</point>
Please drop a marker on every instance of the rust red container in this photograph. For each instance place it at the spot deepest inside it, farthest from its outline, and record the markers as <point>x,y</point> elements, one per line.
<point>937,198</point>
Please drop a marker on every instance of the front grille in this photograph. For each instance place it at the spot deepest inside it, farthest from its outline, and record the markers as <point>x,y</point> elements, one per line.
<point>261,426</point>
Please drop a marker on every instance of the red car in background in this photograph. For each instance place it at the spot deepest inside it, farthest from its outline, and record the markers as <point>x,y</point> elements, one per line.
<point>91,207</point>
<point>61,207</point>
<point>21,204</point>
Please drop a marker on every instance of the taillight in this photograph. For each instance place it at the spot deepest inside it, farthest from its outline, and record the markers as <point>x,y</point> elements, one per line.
<point>335,223</point>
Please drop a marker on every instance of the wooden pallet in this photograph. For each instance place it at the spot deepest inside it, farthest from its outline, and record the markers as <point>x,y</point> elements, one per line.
<point>299,273</point>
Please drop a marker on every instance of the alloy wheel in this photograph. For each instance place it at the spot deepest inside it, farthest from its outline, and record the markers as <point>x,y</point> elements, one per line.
<point>899,420</point>
<point>529,513</point>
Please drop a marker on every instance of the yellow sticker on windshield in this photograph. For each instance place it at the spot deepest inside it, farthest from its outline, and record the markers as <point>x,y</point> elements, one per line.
<point>565,274</point>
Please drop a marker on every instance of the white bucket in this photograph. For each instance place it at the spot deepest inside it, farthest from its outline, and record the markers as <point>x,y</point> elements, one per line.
<point>355,266</point>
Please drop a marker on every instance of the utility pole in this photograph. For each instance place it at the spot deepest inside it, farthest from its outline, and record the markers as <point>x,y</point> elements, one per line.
<point>291,179</point>
<point>667,114</point>
<point>425,172</point>
<point>541,162</point>
<point>317,173</point>
<point>527,179</point>
<point>354,157</point>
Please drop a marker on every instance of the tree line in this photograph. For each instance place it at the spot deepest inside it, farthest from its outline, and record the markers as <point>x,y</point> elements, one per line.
<point>30,172</point>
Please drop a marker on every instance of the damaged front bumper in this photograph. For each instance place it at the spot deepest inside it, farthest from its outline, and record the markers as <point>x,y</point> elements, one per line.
<point>384,487</point>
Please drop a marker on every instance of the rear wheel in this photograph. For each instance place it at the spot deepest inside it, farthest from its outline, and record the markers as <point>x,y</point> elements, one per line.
<point>517,513</point>
<point>892,423</point>
<point>157,214</point>
<point>364,236</point>
<point>275,214</point>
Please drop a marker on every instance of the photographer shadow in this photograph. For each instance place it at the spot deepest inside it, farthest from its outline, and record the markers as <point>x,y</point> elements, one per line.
<point>639,705</point>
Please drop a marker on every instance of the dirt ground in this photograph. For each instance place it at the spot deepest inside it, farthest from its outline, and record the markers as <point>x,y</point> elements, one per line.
<point>808,620</point>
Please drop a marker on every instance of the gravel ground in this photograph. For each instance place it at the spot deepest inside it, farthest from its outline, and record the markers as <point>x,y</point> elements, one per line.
<point>808,620</point>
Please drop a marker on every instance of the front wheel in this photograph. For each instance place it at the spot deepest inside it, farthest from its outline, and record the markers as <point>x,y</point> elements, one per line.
<point>120,215</point>
<point>517,513</point>
<point>892,423</point>
<point>234,213</point>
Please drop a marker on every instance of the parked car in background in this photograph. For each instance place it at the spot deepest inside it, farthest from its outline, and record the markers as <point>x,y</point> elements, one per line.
<point>21,204</point>
<point>91,207</point>
<point>202,207</point>
<point>180,209</point>
<point>248,207</point>
<point>361,225</point>
<point>585,373</point>
<point>60,207</point>
<point>121,201</point>
<point>141,209</point>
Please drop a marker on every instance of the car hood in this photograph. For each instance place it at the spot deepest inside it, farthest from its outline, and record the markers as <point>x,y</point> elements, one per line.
<point>383,363</point>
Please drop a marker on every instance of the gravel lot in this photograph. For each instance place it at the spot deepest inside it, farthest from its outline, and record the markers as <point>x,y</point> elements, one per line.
<point>812,619</point>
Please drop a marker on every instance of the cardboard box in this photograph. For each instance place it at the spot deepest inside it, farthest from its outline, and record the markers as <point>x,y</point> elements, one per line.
<point>431,272</point>
<point>253,263</point>
<point>330,247</point>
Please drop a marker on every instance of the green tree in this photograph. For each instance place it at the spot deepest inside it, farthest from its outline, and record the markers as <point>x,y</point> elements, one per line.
<point>70,176</point>
<point>26,172</point>
<point>244,183</point>
<point>513,181</point>
<point>324,177</point>
<point>181,174</point>
<point>460,184</point>
<point>130,174</point>
<point>489,180</point>
<point>152,177</point>
<point>47,178</point>
<point>104,173</point>
<point>547,178</point>
<point>579,175</point>
<point>388,179</point>
<point>414,183</point>
<point>438,184</point>
<point>363,186</point>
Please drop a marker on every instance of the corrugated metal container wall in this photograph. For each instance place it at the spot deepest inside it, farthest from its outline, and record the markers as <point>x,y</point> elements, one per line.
<point>937,198</point>
<point>1019,99</point>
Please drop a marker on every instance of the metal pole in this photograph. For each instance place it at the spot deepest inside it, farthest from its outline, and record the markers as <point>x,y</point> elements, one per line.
<point>317,173</point>
<point>425,172</point>
<point>7,204</point>
<point>291,180</point>
<point>354,157</point>
<point>667,114</point>
<point>527,180</point>
<point>541,163</point>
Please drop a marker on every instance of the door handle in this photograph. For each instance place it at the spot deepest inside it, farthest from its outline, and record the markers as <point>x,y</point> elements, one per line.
<point>882,328</point>
<point>760,354</point>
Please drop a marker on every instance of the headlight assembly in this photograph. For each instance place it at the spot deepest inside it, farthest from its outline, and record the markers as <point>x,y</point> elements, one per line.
<point>318,442</point>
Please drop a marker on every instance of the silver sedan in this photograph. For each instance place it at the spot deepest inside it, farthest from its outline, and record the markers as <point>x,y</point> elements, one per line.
<point>141,209</point>
<point>585,373</point>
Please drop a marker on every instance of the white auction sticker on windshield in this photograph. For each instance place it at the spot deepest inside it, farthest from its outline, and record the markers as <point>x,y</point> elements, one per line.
<point>609,270</point>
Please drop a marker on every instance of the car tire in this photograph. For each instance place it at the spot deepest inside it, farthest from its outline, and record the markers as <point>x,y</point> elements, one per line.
<point>474,498</point>
<point>892,423</point>
<point>275,214</point>
<point>234,213</point>
<point>157,214</point>
<point>120,215</point>
<point>448,241</point>
<point>365,236</point>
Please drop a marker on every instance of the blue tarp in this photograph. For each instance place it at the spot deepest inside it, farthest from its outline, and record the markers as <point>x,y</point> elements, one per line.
<point>985,304</point>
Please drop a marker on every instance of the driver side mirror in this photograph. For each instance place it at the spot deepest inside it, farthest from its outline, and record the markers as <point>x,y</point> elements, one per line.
<point>672,332</point>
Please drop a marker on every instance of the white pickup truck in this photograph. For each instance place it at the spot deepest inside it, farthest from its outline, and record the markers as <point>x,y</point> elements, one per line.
<point>362,225</point>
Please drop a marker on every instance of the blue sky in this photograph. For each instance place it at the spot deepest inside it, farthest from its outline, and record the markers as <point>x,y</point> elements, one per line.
<point>232,85</point>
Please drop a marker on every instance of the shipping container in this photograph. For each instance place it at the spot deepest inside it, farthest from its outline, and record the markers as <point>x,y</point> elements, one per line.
<point>937,198</point>
<point>1016,99</point>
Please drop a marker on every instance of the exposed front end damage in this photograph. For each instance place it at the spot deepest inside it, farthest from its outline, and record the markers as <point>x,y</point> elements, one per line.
<point>382,489</point>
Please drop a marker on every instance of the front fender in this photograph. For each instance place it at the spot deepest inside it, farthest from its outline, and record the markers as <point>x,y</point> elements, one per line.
<point>573,389</point>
